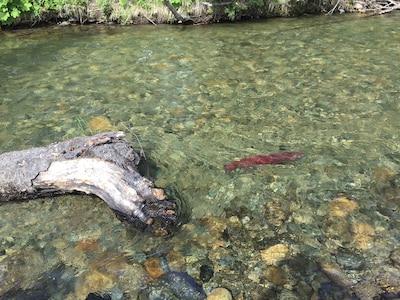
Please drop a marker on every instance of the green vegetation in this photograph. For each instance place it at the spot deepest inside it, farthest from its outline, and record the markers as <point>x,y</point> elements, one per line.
<point>12,9</point>
<point>31,12</point>
<point>234,10</point>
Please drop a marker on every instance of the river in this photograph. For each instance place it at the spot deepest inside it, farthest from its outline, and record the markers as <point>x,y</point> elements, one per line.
<point>197,98</point>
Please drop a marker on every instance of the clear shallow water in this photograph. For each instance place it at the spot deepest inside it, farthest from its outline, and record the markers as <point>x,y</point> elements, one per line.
<point>199,97</point>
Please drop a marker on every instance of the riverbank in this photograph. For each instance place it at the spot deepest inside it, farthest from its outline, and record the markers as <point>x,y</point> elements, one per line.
<point>14,14</point>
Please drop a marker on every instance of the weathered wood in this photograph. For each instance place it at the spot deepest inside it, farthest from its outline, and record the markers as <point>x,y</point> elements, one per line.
<point>180,18</point>
<point>104,165</point>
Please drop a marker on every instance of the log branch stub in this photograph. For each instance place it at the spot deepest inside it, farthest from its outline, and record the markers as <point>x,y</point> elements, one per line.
<point>104,165</point>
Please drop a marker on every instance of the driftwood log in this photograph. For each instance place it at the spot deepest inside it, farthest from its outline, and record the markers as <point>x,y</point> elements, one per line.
<point>104,165</point>
<point>181,19</point>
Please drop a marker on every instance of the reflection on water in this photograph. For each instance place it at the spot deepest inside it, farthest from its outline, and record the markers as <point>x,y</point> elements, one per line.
<point>198,98</point>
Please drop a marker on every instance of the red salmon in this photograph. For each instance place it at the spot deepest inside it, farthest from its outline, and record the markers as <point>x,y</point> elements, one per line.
<point>270,159</point>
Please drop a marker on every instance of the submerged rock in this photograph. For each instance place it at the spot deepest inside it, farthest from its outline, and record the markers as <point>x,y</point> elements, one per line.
<point>220,294</point>
<point>100,123</point>
<point>174,286</point>
<point>342,207</point>
<point>57,283</point>
<point>97,296</point>
<point>395,257</point>
<point>274,254</point>
<point>363,234</point>
<point>153,267</point>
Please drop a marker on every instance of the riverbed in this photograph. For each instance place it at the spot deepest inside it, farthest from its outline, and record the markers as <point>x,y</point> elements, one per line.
<point>198,98</point>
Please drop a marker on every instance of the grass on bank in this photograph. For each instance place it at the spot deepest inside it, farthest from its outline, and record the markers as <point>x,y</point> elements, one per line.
<point>32,12</point>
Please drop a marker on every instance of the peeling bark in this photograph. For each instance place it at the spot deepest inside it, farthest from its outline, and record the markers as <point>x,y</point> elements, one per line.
<point>104,165</point>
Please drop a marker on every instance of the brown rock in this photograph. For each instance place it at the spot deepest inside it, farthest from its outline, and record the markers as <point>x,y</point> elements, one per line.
<point>215,225</point>
<point>219,294</point>
<point>342,207</point>
<point>94,280</point>
<point>274,254</point>
<point>87,244</point>
<point>153,267</point>
<point>276,275</point>
<point>382,174</point>
<point>159,193</point>
<point>274,213</point>
<point>363,235</point>
<point>395,257</point>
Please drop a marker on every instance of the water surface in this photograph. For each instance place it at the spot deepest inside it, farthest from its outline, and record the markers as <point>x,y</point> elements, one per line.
<point>199,97</point>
